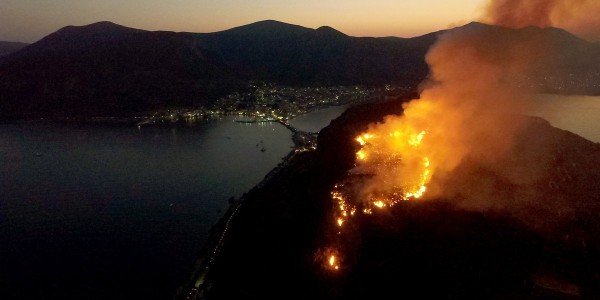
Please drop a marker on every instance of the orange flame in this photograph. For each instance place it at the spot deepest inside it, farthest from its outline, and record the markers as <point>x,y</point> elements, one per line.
<point>470,88</point>
<point>333,264</point>
<point>404,143</point>
<point>400,153</point>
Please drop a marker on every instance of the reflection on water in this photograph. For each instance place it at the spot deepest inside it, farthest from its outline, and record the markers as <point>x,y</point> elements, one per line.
<point>578,114</point>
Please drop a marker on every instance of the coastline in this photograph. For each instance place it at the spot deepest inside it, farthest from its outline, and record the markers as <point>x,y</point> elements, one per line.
<point>199,279</point>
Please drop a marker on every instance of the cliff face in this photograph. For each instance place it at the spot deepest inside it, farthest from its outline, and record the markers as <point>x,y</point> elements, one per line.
<point>437,248</point>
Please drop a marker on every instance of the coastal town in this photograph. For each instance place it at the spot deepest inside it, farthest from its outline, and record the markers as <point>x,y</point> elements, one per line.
<point>268,102</point>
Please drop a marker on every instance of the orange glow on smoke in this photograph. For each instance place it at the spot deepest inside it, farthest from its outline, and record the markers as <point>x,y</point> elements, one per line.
<point>398,164</point>
<point>577,16</point>
<point>399,149</point>
<point>465,115</point>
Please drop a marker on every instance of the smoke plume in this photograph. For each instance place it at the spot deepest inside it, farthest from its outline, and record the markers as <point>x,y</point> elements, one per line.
<point>576,16</point>
<point>469,109</point>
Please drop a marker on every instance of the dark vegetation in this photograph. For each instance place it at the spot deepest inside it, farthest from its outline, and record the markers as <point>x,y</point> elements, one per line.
<point>104,70</point>
<point>417,250</point>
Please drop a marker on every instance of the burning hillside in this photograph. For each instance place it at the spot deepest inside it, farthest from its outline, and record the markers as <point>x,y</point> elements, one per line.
<point>456,196</point>
<point>464,139</point>
<point>431,247</point>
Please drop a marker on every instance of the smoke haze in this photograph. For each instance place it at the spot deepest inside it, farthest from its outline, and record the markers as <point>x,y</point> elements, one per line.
<point>577,16</point>
<point>483,154</point>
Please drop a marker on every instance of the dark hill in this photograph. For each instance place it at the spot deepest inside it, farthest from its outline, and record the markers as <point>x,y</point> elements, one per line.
<point>330,32</point>
<point>418,250</point>
<point>268,29</point>
<point>105,69</point>
<point>7,48</point>
<point>296,55</point>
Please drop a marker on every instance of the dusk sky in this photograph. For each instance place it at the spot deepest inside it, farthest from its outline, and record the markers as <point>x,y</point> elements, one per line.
<point>30,20</point>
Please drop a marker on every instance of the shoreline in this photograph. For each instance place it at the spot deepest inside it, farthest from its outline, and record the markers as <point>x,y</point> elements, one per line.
<point>197,283</point>
<point>161,120</point>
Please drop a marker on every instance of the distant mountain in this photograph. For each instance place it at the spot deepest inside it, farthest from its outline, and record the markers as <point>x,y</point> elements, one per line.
<point>268,29</point>
<point>562,62</point>
<point>10,47</point>
<point>291,54</point>
<point>106,69</point>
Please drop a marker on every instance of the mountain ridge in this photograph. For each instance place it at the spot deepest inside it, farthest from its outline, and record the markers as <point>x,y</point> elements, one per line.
<point>106,69</point>
<point>266,27</point>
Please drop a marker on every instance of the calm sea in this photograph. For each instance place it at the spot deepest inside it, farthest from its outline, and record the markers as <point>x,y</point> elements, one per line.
<point>112,212</point>
<point>119,211</point>
<point>578,114</point>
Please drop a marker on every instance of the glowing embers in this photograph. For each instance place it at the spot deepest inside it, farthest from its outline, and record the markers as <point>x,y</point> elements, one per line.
<point>361,155</point>
<point>390,167</point>
<point>379,204</point>
<point>344,210</point>
<point>423,181</point>
<point>396,163</point>
<point>333,262</point>
<point>363,139</point>
<point>414,140</point>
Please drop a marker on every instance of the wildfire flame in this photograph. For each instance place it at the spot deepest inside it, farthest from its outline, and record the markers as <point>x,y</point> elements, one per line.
<point>399,150</point>
<point>379,153</point>
<point>476,78</point>
<point>333,262</point>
